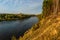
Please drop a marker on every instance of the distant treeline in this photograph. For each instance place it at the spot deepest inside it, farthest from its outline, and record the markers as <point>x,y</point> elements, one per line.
<point>14,16</point>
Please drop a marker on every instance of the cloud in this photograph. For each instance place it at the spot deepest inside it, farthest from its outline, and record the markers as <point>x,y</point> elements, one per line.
<point>25,6</point>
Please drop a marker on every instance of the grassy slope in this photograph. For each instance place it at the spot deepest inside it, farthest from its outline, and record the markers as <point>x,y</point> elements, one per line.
<point>45,29</point>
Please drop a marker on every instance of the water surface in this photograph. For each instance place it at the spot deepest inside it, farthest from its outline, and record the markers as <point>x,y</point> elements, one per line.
<point>16,28</point>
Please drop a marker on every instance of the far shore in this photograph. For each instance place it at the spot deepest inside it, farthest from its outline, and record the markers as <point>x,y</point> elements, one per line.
<point>8,17</point>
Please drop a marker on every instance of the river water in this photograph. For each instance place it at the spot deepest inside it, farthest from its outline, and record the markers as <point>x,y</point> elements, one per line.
<point>16,28</point>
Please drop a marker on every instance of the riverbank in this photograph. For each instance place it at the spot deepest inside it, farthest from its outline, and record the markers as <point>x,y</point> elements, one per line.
<point>7,17</point>
<point>46,29</point>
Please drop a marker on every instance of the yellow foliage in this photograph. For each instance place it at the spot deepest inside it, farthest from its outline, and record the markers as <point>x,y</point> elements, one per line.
<point>13,38</point>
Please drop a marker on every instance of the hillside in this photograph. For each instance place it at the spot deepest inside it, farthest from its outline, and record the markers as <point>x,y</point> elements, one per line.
<point>46,29</point>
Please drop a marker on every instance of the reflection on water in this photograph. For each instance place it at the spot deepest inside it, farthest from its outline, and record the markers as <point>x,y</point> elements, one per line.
<point>17,28</point>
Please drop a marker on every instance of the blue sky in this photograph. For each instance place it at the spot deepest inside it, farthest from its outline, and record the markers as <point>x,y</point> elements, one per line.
<point>23,6</point>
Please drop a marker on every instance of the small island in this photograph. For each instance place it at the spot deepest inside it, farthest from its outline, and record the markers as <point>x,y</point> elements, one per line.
<point>8,17</point>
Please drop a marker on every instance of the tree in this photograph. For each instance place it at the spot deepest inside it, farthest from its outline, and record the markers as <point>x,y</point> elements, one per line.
<point>47,7</point>
<point>51,7</point>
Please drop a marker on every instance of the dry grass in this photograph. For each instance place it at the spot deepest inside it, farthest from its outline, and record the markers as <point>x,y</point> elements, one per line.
<point>49,29</point>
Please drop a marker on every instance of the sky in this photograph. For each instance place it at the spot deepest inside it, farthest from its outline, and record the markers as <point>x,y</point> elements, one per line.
<point>21,6</point>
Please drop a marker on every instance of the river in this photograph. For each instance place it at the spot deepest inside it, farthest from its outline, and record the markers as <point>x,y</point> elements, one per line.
<point>16,28</point>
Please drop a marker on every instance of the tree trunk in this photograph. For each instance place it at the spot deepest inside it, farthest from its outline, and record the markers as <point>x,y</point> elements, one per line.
<point>56,6</point>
